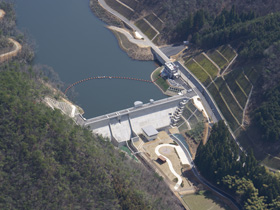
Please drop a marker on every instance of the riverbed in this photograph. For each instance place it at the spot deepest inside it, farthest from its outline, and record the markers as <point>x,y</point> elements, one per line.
<point>77,45</point>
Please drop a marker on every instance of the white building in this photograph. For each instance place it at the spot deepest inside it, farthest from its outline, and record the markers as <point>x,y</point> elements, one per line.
<point>170,70</point>
<point>150,132</point>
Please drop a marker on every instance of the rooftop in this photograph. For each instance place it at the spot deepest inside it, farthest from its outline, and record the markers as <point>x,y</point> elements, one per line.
<point>150,130</point>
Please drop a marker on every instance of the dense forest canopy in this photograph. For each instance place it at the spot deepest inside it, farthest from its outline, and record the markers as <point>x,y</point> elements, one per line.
<point>267,116</point>
<point>219,160</point>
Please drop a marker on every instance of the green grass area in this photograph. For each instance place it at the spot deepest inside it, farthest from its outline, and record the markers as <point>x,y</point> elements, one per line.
<point>241,81</point>
<point>237,91</point>
<point>235,109</point>
<point>199,115</point>
<point>207,65</point>
<point>200,74</point>
<point>183,127</point>
<point>186,113</point>
<point>244,83</point>
<point>204,201</point>
<point>193,121</point>
<point>125,149</point>
<point>222,106</point>
<point>217,58</point>
<point>253,75</point>
<point>160,81</point>
<point>154,20</point>
<point>131,3</point>
<point>120,8</point>
<point>196,133</point>
<point>191,106</point>
<point>227,52</point>
<point>146,29</point>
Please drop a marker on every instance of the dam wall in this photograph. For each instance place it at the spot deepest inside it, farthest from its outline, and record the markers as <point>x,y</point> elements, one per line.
<point>122,125</point>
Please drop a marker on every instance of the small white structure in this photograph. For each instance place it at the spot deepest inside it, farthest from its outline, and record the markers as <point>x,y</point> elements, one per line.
<point>138,35</point>
<point>138,104</point>
<point>182,156</point>
<point>150,132</point>
<point>170,70</point>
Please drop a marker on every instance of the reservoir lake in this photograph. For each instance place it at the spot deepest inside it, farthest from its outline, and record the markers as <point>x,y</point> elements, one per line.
<point>77,45</point>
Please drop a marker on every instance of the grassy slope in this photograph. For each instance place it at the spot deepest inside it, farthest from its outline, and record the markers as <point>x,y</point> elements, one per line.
<point>198,72</point>
<point>145,28</point>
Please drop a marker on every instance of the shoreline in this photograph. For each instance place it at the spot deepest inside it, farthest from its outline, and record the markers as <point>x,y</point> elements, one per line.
<point>131,46</point>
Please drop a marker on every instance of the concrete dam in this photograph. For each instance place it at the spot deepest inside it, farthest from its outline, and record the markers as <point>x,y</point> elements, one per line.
<point>127,124</point>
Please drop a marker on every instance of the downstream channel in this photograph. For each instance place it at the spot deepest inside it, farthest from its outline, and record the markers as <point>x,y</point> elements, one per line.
<point>77,45</point>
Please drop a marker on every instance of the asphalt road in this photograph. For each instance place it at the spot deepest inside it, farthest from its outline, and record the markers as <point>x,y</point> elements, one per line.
<point>172,49</point>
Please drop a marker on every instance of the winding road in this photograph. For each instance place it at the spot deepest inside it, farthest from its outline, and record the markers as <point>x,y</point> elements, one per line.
<point>12,53</point>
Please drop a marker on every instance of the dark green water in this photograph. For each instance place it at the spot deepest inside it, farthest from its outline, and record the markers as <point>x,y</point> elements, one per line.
<point>77,45</point>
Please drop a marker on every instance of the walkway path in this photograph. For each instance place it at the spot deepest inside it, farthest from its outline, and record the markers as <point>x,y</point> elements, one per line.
<point>179,182</point>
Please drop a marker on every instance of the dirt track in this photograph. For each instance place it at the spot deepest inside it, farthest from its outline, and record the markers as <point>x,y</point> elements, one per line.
<point>14,52</point>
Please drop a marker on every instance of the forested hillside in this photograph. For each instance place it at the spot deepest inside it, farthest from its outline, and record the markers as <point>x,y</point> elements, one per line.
<point>219,160</point>
<point>48,162</point>
<point>176,11</point>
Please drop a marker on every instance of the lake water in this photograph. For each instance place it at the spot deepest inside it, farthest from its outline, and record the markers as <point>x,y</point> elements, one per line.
<point>76,44</point>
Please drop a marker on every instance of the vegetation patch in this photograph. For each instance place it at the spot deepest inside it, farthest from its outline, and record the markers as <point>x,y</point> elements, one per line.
<point>191,106</point>
<point>227,52</point>
<point>222,106</point>
<point>131,3</point>
<point>217,58</point>
<point>187,113</point>
<point>239,94</point>
<point>200,74</point>
<point>155,21</point>
<point>235,109</point>
<point>251,185</point>
<point>204,200</point>
<point>199,116</point>
<point>207,65</point>
<point>196,133</point>
<point>243,82</point>
<point>126,150</point>
<point>162,83</point>
<point>253,75</point>
<point>120,8</point>
<point>146,28</point>
<point>182,126</point>
<point>193,121</point>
